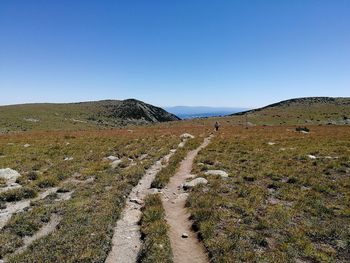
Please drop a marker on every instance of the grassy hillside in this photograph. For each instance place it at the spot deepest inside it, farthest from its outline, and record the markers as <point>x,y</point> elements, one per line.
<point>79,116</point>
<point>313,110</point>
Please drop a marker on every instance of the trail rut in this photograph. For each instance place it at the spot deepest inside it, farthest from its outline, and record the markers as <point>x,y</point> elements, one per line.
<point>126,241</point>
<point>184,249</point>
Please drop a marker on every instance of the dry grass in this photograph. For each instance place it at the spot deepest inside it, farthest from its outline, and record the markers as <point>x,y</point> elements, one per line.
<point>89,216</point>
<point>278,205</point>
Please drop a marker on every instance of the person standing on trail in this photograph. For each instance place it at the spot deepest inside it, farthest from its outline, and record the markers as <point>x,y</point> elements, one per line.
<point>216,125</point>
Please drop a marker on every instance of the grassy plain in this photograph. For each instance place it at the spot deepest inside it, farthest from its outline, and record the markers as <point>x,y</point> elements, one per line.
<point>75,163</point>
<point>287,197</point>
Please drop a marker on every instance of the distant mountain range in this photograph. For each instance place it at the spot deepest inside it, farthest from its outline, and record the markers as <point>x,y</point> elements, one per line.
<point>190,112</point>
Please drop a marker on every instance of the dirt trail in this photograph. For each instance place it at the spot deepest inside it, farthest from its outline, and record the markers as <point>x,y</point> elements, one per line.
<point>126,241</point>
<point>15,207</point>
<point>44,231</point>
<point>18,206</point>
<point>184,249</point>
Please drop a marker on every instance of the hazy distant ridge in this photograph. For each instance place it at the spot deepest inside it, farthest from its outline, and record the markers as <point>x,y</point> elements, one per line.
<point>187,112</point>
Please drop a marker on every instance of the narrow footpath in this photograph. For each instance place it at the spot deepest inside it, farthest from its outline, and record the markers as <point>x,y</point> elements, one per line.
<point>126,242</point>
<point>185,249</point>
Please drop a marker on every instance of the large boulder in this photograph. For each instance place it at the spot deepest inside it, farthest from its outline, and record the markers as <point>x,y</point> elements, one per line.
<point>9,174</point>
<point>194,182</point>
<point>223,174</point>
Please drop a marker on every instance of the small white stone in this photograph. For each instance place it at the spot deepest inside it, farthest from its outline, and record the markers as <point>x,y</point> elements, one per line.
<point>115,163</point>
<point>313,157</point>
<point>112,158</point>
<point>184,235</point>
<point>181,144</point>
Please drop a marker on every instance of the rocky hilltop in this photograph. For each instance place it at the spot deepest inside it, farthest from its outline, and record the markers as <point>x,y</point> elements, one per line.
<point>80,115</point>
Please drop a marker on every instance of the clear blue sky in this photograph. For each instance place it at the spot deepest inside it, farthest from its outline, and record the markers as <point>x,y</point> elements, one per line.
<point>177,52</point>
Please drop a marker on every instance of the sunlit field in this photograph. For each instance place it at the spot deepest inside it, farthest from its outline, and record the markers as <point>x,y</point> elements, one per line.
<point>287,197</point>
<point>68,177</point>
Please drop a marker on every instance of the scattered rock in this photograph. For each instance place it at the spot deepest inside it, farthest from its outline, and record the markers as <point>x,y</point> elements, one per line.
<point>184,235</point>
<point>68,159</point>
<point>63,196</point>
<point>9,174</point>
<point>223,174</point>
<point>181,144</point>
<point>173,150</point>
<point>31,119</point>
<point>80,121</point>
<point>26,145</point>
<point>115,163</point>
<point>273,201</point>
<point>186,136</point>
<point>305,188</point>
<point>302,129</point>
<point>143,156</point>
<point>330,157</point>
<point>271,143</point>
<point>194,182</point>
<point>89,180</point>
<point>112,158</point>
<point>313,157</point>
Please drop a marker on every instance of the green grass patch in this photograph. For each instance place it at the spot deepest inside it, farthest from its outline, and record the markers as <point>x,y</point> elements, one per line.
<point>156,243</point>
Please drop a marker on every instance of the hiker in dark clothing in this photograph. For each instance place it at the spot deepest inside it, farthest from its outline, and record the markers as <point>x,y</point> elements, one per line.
<point>216,125</point>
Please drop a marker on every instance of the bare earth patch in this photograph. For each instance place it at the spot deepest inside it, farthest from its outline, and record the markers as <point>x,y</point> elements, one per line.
<point>184,243</point>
